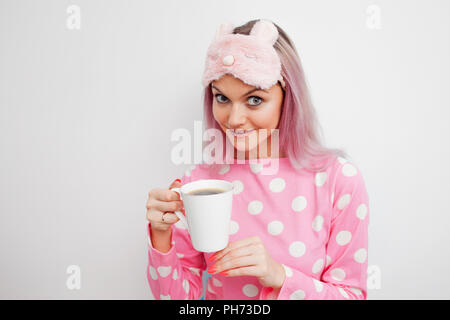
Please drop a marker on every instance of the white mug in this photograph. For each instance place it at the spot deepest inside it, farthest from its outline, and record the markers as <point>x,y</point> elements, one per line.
<point>207,216</point>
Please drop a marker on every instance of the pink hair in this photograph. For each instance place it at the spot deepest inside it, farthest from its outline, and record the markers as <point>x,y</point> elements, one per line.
<point>300,134</point>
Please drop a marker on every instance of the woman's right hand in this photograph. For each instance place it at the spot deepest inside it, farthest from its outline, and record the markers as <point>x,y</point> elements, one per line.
<point>164,202</point>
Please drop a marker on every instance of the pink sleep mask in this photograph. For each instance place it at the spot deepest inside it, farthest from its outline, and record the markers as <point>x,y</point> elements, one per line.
<point>251,58</point>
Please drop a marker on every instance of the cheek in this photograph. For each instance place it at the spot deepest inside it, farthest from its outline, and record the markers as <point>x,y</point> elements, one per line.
<point>266,118</point>
<point>218,113</point>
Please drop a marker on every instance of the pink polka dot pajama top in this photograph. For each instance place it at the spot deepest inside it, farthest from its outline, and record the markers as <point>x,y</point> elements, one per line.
<point>314,224</point>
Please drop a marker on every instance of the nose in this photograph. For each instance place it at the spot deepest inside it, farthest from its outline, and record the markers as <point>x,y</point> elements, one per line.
<point>237,116</point>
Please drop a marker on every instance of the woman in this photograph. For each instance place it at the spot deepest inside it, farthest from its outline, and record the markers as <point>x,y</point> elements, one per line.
<point>298,233</point>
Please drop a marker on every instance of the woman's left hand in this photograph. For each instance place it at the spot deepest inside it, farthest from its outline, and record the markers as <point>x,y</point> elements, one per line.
<point>248,257</point>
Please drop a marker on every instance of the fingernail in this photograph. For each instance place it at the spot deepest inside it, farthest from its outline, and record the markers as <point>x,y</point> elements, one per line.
<point>177,180</point>
<point>212,269</point>
<point>224,273</point>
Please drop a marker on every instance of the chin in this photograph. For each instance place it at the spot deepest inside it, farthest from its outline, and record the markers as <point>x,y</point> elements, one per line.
<point>244,145</point>
<point>241,147</point>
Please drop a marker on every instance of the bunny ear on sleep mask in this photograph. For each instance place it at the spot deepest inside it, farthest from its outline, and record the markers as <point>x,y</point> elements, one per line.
<point>251,58</point>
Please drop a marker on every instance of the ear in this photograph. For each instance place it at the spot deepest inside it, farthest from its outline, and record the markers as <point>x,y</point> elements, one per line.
<point>265,30</point>
<point>224,29</point>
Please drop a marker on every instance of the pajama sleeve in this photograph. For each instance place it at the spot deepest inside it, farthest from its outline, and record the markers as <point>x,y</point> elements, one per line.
<point>344,275</point>
<point>177,274</point>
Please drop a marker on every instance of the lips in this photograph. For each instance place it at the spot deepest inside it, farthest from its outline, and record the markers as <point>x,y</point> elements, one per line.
<point>240,133</point>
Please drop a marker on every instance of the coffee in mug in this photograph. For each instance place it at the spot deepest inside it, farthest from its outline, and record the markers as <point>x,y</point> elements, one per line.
<point>206,191</point>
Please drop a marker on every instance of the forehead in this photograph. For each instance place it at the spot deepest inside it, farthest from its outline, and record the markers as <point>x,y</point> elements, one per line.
<point>230,82</point>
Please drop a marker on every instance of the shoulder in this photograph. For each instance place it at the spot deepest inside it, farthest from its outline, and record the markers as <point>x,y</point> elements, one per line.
<point>347,185</point>
<point>347,176</point>
<point>344,171</point>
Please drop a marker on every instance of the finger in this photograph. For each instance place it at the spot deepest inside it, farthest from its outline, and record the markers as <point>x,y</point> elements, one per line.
<point>164,206</point>
<point>234,245</point>
<point>243,271</point>
<point>175,183</point>
<point>170,218</point>
<point>239,252</point>
<point>164,194</point>
<point>155,216</point>
<point>234,263</point>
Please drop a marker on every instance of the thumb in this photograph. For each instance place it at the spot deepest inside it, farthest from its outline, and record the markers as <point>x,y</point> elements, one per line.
<point>175,184</point>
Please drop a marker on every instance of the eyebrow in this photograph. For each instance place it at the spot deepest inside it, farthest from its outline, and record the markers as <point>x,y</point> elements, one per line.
<point>253,90</point>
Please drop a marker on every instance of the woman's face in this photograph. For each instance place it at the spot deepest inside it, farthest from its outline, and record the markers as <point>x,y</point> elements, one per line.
<point>237,105</point>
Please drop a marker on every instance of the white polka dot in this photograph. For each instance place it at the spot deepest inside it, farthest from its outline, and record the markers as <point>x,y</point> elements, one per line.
<point>342,160</point>
<point>361,211</point>
<point>216,282</point>
<point>343,201</point>
<point>320,178</point>
<point>224,169</point>
<point>343,292</point>
<point>277,185</point>
<point>297,295</point>
<point>238,186</point>
<point>318,284</point>
<point>255,207</point>
<point>164,271</point>
<point>180,255</point>
<point>195,271</point>
<point>288,271</point>
<point>175,274</point>
<point>163,297</point>
<point>153,273</point>
<point>348,170</point>
<point>250,290</point>
<point>275,227</point>
<point>337,274</point>
<point>356,291</point>
<point>328,261</point>
<point>317,223</point>
<point>256,167</point>
<point>186,285</point>
<point>234,227</point>
<point>297,249</point>
<point>343,237</point>
<point>317,266</point>
<point>299,203</point>
<point>360,255</point>
<point>332,198</point>
<point>210,289</point>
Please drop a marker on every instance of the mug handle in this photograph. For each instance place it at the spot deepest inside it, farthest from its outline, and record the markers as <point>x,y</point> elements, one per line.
<point>179,214</point>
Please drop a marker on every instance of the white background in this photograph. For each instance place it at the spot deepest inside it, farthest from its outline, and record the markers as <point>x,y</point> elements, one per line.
<point>87,115</point>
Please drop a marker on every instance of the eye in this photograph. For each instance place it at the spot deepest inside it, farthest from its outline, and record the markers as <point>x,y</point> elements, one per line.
<point>217,98</point>
<point>258,99</point>
<point>220,98</point>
